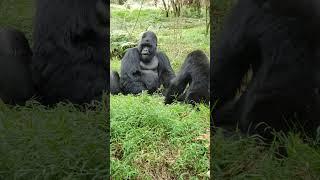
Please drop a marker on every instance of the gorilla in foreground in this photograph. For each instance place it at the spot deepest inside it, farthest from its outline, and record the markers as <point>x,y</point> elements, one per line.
<point>69,52</point>
<point>145,68</point>
<point>15,77</point>
<point>283,94</point>
<point>195,73</point>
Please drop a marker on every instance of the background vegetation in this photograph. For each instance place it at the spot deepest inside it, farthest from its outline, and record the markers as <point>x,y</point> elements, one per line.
<point>150,140</point>
<point>37,142</point>
<point>248,158</point>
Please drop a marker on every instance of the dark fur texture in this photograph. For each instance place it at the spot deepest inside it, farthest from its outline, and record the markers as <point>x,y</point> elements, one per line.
<point>15,77</point>
<point>309,10</point>
<point>132,79</point>
<point>114,82</point>
<point>283,90</point>
<point>71,50</point>
<point>195,73</point>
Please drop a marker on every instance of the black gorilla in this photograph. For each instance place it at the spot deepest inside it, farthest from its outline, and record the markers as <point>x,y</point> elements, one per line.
<point>15,55</point>
<point>144,68</point>
<point>195,73</point>
<point>309,10</point>
<point>70,50</point>
<point>283,92</point>
<point>114,82</point>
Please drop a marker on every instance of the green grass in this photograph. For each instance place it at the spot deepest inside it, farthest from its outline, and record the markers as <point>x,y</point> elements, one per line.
<point>150,140</point>
<point>62,142</point>
<point>248,159</point>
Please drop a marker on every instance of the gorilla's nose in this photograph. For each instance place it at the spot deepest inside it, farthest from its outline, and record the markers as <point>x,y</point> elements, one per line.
<point>145,51</point>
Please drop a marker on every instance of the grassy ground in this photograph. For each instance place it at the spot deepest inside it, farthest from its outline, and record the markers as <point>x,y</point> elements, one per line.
<point>248,158</point>
<point>154,141</point>
<point>63,142</point>
<point>150,140</point>
<point>53,143</point>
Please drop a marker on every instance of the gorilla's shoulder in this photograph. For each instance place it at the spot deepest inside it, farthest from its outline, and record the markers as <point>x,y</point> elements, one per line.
<point>132,50</point>
<point>162,55</point>
<point>131,53</point>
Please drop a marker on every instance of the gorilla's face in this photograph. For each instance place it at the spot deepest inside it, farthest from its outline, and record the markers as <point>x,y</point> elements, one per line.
<point>148,46</point>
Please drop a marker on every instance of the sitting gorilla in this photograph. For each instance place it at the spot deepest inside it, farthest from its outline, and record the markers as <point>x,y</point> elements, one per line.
<point>114,82</point>
<point>144,68</point>
<point>15,55</point>
<point>195,73</point>
<point>70,50</point>
<point>283,93</point>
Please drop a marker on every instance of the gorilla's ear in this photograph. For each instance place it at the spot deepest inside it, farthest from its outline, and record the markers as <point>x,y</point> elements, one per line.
<point>139,47</point>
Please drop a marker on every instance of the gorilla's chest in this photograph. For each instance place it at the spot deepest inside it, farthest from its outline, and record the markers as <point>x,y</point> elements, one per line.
<point>149,71</point>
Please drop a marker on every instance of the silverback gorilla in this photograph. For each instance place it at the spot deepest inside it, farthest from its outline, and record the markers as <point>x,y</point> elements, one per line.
<point>195,73</point>
<point>284,91</point>
<point>15,77</point>
<point>70,50</point>
<point>145,68</point>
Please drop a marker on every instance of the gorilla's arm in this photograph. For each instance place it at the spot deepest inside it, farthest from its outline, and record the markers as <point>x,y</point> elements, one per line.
<point>166,73</point>
<point>130,73</point>
<point>229,62</point>
<point>177,87</point>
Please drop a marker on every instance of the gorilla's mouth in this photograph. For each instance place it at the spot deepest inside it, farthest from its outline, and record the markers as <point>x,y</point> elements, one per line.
<point>145,55</point>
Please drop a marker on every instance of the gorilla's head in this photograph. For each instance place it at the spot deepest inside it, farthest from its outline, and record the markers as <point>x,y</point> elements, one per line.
<point>148,46</point>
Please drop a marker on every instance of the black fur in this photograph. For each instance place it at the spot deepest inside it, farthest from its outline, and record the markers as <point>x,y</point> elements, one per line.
<point>195,73</point>
<point>133,79</point>
<point>15,77</point>
<point>114,82</point>
<point>283,92</point>
<point>309,10</point>
<point>70,50</point>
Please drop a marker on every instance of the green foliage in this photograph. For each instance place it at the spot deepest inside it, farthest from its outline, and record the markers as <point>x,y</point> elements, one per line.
<point>150,140</point>
<point>119,43</point>
<point>193,12</point>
